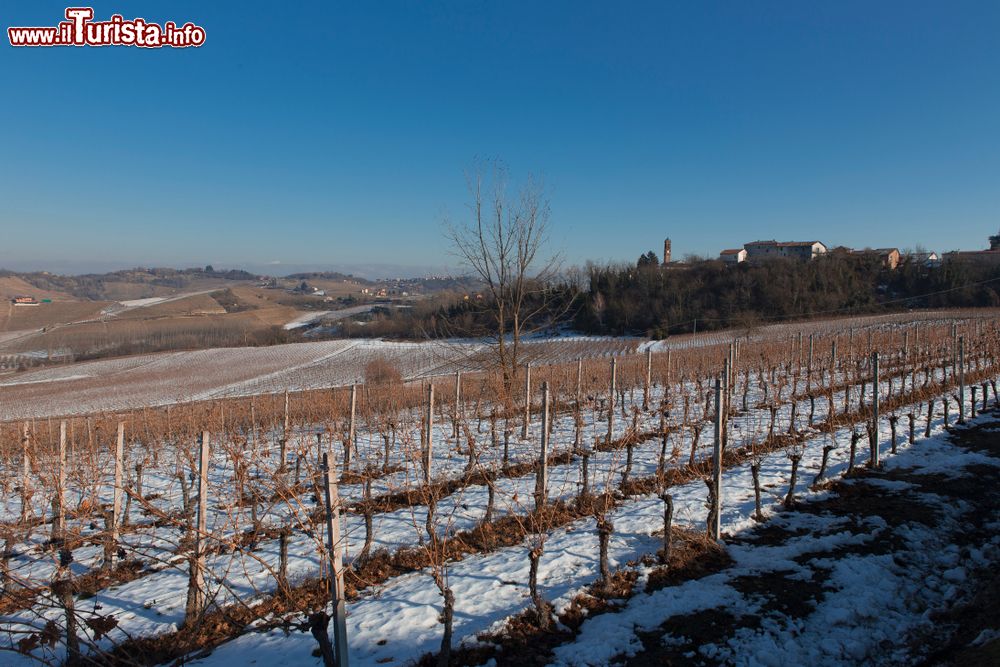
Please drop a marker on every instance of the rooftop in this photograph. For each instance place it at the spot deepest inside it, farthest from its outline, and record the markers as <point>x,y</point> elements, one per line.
<point>783,244</point>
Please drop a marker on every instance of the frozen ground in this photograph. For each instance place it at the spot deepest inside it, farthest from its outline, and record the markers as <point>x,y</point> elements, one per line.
<point>867,582</point>
<point>396,622</point>
<point>149,380</point>
<point>855,575</point>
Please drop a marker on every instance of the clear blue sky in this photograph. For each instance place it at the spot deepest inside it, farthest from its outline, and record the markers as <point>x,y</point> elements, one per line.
<point>337,134</point>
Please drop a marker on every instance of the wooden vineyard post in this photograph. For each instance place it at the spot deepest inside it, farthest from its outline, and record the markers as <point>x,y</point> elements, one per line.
<point>458,403</point>
<point>799,343</point>
<point>527,401</point>
<point>833,365</point>
<point>331,498</point>
<point>59,519</point>
<point>726,373</point>
<point>809,365</point>
<point>954,352</point>
<point>25,475</point>
<point>542,477</point>
<point>611,401</point>
<point>730,375</point>
<point>716,518</point>
<point>875,407</point>
<point>253,425</point>
<point>648,379</point>
<point>428,436</point>
<point>196,578</point>
<point>961,380</point>
<point>283,445</point>
<point>116,506</point>
<point>351,427</point>
<point>579,380</point>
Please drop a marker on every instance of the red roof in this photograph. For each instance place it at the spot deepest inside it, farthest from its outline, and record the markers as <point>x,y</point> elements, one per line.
<point>783,244</point>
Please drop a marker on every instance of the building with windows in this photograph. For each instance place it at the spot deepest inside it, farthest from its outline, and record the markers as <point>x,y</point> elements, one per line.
<point>888,257</point>
<point>733,255</point>
<point>804,250</point>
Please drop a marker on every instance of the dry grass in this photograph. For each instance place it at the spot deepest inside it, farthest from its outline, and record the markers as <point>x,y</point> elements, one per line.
<point>22,318</point>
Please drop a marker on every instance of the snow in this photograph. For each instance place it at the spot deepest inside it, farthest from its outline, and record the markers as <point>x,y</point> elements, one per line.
<point>871,602</point>
<point>396,622</point>
<point>139,303</point>
<point>305,319</point>
<point>150,380</point>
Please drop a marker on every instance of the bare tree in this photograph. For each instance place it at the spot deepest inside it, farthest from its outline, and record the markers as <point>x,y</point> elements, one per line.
<point>502,242</point>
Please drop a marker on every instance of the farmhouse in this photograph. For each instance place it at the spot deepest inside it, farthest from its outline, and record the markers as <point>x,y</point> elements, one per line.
<point>926,259</point>
<point>889,257</point>
<point>733,255</point>
<point>804,250</point>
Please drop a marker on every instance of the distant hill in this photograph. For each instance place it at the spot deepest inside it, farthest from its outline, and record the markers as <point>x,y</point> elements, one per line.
<point>328,275</point>
<point>12,285</point>
<point>462,284</point>
<point>130,283</point>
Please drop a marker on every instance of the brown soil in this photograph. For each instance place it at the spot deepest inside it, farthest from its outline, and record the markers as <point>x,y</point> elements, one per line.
<point>956,628</point>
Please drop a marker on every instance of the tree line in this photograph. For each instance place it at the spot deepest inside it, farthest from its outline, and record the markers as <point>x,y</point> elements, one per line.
<point>648,299</point>
<point>652,300</point>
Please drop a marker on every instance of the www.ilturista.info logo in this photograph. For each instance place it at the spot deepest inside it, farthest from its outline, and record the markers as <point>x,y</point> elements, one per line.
<point>81,30</point>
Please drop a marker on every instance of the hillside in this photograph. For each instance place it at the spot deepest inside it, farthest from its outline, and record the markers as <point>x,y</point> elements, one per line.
<point>149,310</point>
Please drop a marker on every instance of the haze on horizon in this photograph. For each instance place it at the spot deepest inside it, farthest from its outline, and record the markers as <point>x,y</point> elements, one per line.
<point>338,137</point>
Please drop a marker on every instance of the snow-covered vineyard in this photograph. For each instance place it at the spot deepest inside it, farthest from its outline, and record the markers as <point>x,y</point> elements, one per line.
<point>467,508</point>
<point>165,378</point>
<point>147,380</point>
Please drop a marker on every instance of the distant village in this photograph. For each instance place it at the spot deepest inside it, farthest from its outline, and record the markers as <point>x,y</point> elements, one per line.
<point>890,258</point>
<point>752,252</point>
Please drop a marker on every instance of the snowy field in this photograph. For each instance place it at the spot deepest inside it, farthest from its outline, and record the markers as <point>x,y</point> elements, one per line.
<point>150,380</point>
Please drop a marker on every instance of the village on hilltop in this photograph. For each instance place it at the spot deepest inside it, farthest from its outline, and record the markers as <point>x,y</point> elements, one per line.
<point>890,258</point>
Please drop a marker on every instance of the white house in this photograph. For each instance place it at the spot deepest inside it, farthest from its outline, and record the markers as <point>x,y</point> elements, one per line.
<point>733,255</point>
<point>927,259</point>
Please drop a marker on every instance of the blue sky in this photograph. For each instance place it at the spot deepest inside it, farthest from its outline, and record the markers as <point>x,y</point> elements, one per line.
<point>338,135</point>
